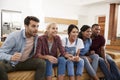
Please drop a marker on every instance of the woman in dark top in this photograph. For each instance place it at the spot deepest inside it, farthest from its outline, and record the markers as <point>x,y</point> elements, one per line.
<point>47,49</point>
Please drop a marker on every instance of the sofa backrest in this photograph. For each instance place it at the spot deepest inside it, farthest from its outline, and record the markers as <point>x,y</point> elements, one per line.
<point>1,43</point>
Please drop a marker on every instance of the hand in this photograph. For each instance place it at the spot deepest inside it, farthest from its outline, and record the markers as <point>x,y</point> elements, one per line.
<point>67,55</point>
<point>90,60</point>
<point>52,59</point>
<point>108,65</point>
<point>92,52</point>
<point>71,58</point>
<point>76,58</point>
<point>16,56</point>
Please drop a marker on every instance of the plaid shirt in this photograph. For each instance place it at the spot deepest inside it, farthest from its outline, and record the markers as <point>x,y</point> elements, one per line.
<point>42,46</point>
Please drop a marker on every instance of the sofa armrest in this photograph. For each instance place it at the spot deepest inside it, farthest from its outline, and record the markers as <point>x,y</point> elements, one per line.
<point>114,54</point>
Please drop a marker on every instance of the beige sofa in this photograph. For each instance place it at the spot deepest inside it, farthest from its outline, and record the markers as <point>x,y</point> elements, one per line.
<point>29,75</point>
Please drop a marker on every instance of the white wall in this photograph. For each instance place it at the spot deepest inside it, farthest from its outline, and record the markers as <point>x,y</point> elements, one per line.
<point>41,8</point>
<point>118,24</point>
<point>19,5</point>
<point>51,8</point>
<point>92,13</point>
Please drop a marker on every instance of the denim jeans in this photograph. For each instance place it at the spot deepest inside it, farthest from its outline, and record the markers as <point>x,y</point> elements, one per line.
<point>61,66</point>
<point>95,60</point>
<point>79,67</point>
<point>31,64</point>
<point>91,67</point>
<point>113,73</point>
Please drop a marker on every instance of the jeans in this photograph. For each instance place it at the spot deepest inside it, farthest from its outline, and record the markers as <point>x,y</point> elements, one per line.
<point>31,64</point>
<point>95,60</point>
<point>91,67</point>
<point>79,67</point>
<point>113,73</point>
<point>61,66</point>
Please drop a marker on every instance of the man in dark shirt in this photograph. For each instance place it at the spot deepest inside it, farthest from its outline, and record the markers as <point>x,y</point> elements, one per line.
<point>107,64</point>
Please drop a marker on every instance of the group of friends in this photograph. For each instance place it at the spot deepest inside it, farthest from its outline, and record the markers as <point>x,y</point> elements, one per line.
<point>25,50</point>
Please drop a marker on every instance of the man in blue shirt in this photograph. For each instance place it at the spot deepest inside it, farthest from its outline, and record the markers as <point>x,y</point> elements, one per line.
<point>18,49</point>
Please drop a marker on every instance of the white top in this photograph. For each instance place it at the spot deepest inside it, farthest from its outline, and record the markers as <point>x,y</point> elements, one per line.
<point>79,45</point>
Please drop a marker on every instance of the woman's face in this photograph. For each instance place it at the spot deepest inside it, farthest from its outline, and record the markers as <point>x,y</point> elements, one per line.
<point>53,30</point>
<point>74,34</point>
<point>87,33</point>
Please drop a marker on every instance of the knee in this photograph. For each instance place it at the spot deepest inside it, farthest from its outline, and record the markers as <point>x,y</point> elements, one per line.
<point>70,64</point>
<point>61,60</point>
<point>81,62</point>
<point>96,57</point>
<point>111,61</point>
<point>85,60</point>
<point>101,61</point>
<point>41,64</point>
<point>2,67</point>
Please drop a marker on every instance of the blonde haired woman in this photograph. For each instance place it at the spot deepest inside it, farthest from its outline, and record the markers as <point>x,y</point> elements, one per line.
<point>47,47</point>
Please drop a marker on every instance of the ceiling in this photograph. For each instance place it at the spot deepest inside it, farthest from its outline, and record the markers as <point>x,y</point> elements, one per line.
<point>84,2</point>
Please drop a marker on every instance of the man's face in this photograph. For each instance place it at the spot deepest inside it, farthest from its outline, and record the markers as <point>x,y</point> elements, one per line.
<point>32,28</point>
<point>96,30</point>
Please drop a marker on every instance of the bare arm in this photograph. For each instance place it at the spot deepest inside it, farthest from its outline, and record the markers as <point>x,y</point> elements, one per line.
<point>103,55</point>
<point>102,49</point>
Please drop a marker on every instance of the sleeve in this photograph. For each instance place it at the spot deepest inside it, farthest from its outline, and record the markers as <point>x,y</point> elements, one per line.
<point>38,48</point>
<point>80,44</point>
<point>63,42</point>
<point>60,46</point>
<point>7,46</point>
<point>90,41</point>
<point>102,41</point>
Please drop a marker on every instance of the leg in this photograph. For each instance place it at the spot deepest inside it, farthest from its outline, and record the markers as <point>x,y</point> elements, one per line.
<point>79,70</point>
<point>78,77</point>
<point>33,64</point>
<point>105,70</point>
<point>80,67</point>
<point>89,68</point>
<point>95,59</point>
<point>70,69</point>
<point>61,68</point>
<point>4,68</point>
<point>49,67</point>
<point>113,67</point>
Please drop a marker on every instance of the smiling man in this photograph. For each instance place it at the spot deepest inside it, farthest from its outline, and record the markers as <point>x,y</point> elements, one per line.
<point>17,51</point>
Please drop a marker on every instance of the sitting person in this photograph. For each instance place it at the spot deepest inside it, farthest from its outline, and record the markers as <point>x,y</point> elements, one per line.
<point>72,46</point>
<point>107,64</point>
<point>47,48</point>
<point>90,61</point>
<point>17,51</point>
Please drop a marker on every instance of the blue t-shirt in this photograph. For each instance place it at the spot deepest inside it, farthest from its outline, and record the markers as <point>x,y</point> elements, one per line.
<point>86,48</point>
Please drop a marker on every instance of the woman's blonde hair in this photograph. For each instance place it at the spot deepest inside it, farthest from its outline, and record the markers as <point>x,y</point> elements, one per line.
<point>49,26</point>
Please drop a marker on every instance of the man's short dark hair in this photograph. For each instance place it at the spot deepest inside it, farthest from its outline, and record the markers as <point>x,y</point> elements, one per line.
<point>95,25</point>
<point>29,18</point>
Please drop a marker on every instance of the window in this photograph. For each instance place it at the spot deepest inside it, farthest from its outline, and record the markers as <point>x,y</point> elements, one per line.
<point>118,23</point>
